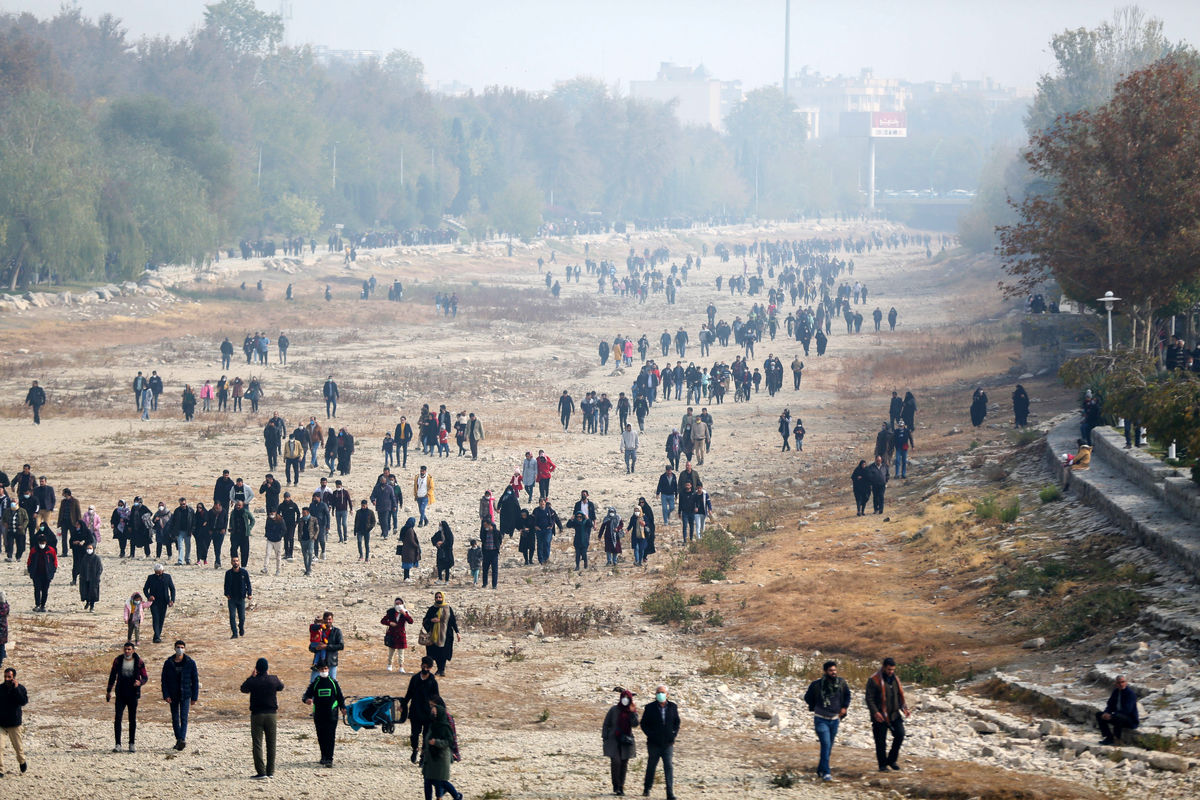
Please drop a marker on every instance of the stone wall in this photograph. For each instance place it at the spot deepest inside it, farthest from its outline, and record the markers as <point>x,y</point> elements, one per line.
<point>1047,340</point>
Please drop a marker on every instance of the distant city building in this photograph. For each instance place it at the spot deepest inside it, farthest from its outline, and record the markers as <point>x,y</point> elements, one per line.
<point>824,99</point>
<point>328,55</point>
<point>994,96</point>
<point>451,89</point>
<point>700,99</point>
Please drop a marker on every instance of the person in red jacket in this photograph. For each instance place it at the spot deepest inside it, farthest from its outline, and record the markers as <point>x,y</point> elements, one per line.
<point>396,638</point>
<point>127,676</point>
<point>41,566</point>
<point>545,467</point>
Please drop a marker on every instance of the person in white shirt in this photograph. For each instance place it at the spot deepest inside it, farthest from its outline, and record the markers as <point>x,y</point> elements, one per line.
<point>629,444</point>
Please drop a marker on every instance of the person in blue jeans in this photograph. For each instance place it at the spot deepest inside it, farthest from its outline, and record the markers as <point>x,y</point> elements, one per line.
<point>828,698</point>
<point>903,441</point>
<point>180,687</point>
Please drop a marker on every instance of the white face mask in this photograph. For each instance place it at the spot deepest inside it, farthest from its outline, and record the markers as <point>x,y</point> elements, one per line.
<point>399,606</point>
<point>178,651</point>
<point>90,551</point>
<point>41,545</point>
<point>624,701</point>
<point>324,673</point>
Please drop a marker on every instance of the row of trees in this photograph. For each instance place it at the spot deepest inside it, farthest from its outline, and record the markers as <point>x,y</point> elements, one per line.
<point>114,153</point>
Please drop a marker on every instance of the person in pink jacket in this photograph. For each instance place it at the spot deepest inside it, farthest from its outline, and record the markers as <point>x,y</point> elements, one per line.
<point>206,395</point>
<point>628,352</point>
<point>135,609</point>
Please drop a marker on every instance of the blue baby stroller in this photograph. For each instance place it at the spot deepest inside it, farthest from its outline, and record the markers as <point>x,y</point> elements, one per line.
<point>371,712</point>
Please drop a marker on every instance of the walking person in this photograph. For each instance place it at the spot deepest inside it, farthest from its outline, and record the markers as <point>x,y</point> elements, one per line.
<point>126,678</point>
<point>877,479</point>
<point>1020,401</point>
<point>41,566</point>
<point>545,469</point>
<point>619,743</point>
<point>421,687</point>
<point>13,699</point>
<point>264,689</point>
<point>331,644</point>
<point>325,696</point>
<point>861,487</point>
<point>90,569</point>
<point>396,619</point>
<point>330,392</point>
<point>306,534</point>
<point>364,522</point>
<point>660,723</point>
<point>237,593</point>
<point>828,698</point>
<point>885,702</point>
<point>442,628</point>
<point>423,491</point>
<point>159,591</point>
<point>443,543</point>
<point>409,547</point>
<point>629,446</point>
<point>181,689</point>
<point>135,612</point>
<point>439,749</point>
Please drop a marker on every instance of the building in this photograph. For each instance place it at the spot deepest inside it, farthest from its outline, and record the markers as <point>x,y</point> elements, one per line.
<point>699,98</point>
<point>823,99</point>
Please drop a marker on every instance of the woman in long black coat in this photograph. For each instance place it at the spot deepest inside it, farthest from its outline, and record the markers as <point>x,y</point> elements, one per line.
<point>979,403</point>
<point>202,522</point>
<point>443,542</point>
<point>527,543</point>
<point>510,511</point>
<point>89,577</point>
<point>1020,406</point>
<point>441,625</point>
<point>908,411</point>
<point>862,488</point>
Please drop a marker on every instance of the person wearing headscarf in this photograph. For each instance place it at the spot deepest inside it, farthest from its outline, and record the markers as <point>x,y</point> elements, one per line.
<point>862,489</point>
<point>439,749</point>
<point>979,402</point>
<point>91,521</point>
<point>443,542</point>
<point>1020,400</point>
<point>409,548</point>
<point>637,535</point>
<point>617,735</point>
<point>582,539</point>
<point>41,566</point>
<point>610,531</point>
<point>90,570</point>
<point>442,628</point>
<point>4,609</point>
<point>648,521</point>
<point>120,524</point>
<point>510,509</point>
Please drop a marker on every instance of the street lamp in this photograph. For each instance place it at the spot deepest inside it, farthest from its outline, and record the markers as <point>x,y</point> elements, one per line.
<point>1108,301</point>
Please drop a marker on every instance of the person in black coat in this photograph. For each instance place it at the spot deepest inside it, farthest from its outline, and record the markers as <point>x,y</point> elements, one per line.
<point>895,408</point>
<point>159,591</point>
<point>908,411</point>
<point>979,402</point>
<point>862,489</point>
<point>264,689</point>
<point>13,698</point>
<point>415,705</point>
<point>877,478</point>
<point>180,688</point>
<point>1120,713</point>
<point>1020,400</point>
<point>660,723</point>
<point>443,542</point>
<point>127,676</point>
<point>35,398</point>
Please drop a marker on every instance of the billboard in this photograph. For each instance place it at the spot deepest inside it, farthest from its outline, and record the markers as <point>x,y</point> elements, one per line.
<point>889,124</point>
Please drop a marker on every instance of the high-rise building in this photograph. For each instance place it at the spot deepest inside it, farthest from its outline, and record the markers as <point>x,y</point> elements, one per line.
<point>699,98</point>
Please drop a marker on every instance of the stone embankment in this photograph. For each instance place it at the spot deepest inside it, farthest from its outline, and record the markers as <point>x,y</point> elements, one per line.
<point>101,294</point>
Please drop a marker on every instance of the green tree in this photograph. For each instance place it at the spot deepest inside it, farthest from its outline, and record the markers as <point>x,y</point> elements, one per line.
<point>291,214</point>
<point>767,137</point>
<point>242,28</point>
<point>1121,197</point>
<point>517,211</point>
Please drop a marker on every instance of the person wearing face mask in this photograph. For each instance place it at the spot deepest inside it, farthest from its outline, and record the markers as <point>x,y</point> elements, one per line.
<point>421,687</point>
<point>439,750</point>
<point>41,566</point>
<point>127,677</point>
<point>660,723</point>
<point>90,570</point>
<point>181,689</point>
<point>396,639</point>
<point>4,609</point>
<point>13,698</point>
<point>617,735</point>
<point>325,696</point>
<point>264,690</point>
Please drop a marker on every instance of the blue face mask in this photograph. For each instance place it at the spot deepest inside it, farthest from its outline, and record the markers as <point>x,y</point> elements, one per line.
<point>661,697</point>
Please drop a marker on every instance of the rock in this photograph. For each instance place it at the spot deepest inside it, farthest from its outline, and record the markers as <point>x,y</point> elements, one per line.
<point>1034,644</point>
<point>1168,762</point>
<point>537,628</point>
<point>983,726</point>
<point>763,712</point>
<point>1049,727</point>
<point>1018,594</point>
<point>779,721</point>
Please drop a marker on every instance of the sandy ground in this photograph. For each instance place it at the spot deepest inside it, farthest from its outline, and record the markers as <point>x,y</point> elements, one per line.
<point>507,356</point>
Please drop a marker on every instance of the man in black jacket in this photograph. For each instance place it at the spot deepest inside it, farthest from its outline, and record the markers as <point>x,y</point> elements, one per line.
<point>877,478</point>
<point>660,723</point>
<point>330,392</point>
<point>828,697</point>
<point>421,687</point>
<point>668,487</point>
<point>181,689</point>
<point>263,689</point>
<point>290,512</point>
<point>222,488</point>
<point>12,698</point>
<point>159,591</point>
<point>35,398</point>
<point>180,527</point>
<point>272,443</point>
<point>237,592</point>
<point>1120,713</point>
<point>325,696</point>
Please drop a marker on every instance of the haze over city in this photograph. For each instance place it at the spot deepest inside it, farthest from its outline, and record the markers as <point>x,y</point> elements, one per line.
<point>534,43</point>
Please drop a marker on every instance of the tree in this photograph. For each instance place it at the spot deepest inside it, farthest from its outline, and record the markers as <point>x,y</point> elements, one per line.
<point>1120,197</point>
<point>768,137</point>
<point>242,28</point>
<point>517,211</point>
<point>292,214</point>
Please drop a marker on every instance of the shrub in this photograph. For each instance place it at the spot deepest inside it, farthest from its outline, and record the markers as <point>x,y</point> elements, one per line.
<point>1011,511</point>
<point>987,508</point>
<point>696,600</point>
<point>1050,493</point>
<point>727,662</point>
<point>784,779</point>
<point>711,574</point>
<point>667,604</point>
<point>714,618</point>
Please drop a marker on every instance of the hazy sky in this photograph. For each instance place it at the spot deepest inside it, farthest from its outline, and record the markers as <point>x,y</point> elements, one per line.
<point>533,43</point>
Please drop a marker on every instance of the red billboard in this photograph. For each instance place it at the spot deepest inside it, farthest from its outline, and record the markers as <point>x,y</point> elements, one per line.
<point>889,124</point>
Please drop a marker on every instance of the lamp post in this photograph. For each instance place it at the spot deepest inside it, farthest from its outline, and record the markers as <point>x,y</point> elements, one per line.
<point>1108,301</point>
